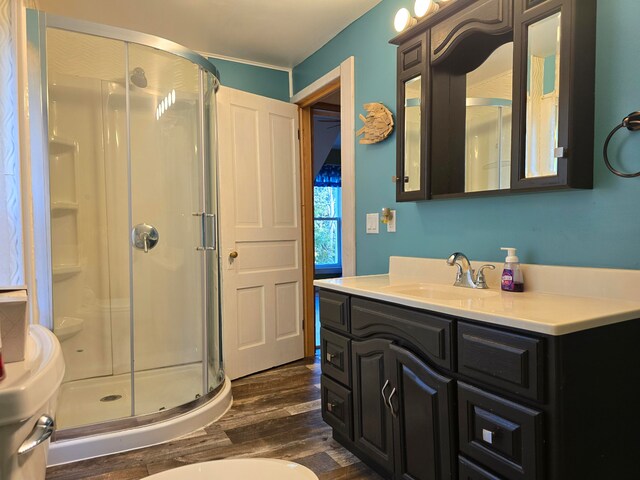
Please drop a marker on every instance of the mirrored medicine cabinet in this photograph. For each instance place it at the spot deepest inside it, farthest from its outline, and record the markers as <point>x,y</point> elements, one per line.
<point>495,97</point>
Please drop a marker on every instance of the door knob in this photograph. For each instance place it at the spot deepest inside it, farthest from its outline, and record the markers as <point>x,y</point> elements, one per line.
<point>144,237</point>
<point>233,254</point>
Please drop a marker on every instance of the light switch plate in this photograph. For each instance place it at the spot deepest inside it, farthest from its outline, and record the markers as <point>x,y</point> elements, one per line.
<point>373,220</point>
<point>391,224</point>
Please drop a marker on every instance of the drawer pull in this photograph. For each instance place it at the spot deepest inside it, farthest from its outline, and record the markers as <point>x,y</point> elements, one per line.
<point>487,436</point>
<point>331,406</point>
<point>330,357</point>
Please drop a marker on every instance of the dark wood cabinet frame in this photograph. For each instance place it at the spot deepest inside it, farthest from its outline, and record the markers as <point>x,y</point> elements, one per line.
<point>456,40</point>
<point>412,58</point>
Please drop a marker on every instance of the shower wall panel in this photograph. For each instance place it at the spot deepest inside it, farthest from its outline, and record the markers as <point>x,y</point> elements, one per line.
<point>80,254</point>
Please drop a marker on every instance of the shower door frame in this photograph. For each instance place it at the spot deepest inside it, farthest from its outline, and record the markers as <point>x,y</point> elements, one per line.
<point>42,260</point>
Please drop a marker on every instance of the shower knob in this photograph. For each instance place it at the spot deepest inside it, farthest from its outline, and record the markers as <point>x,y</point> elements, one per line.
<point>144,237</point>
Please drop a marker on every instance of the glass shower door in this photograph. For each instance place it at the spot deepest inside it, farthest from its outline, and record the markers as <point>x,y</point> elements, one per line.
<point>89,207</point>
<point>166,189</point>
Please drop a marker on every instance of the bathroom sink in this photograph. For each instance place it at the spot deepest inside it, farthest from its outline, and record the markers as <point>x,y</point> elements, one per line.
<point>432,291</point>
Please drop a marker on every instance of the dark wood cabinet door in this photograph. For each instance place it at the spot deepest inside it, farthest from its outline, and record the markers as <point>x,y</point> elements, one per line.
<point>372,418</point>
<point>422,427</point>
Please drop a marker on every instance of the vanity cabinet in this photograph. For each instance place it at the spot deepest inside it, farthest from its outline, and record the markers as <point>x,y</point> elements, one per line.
<point>496,96</point>
<point>412,442</point>
<point>425,396</point>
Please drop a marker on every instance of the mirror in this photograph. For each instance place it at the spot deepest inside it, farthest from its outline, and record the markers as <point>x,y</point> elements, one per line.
<point>543,87</point>
<point>412,134</point>
<point>488,122</point>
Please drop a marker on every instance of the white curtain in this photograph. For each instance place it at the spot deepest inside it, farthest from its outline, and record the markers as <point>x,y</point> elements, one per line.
<point>11,258</point>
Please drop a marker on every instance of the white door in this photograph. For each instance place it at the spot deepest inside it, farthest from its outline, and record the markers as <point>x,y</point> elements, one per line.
<point>260,222</point>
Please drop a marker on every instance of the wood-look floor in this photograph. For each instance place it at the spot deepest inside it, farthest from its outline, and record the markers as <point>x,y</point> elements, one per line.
<point>275,414</point>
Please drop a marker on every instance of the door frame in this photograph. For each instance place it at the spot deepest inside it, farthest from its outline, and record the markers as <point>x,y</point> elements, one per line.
<point>341,77</point>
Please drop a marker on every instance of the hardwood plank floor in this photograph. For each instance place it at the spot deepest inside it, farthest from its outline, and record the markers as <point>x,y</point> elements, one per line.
<point>275,414</point>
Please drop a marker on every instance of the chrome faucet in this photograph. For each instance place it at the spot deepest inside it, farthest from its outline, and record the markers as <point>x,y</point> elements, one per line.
<point>465,274</point>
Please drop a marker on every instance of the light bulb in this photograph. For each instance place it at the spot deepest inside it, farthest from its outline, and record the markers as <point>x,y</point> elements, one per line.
<point>421,7</point>
<point>403,20</point>
<point>173,96</point>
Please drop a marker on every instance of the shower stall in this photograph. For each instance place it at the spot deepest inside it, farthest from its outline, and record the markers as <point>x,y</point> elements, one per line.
<point>488,144</point>
<point>129,148</point>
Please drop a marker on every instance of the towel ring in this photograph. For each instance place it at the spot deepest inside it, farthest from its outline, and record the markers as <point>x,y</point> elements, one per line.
<point>632,123</point>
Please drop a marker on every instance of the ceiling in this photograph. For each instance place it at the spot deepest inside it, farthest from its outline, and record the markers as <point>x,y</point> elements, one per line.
<point>274,32</point>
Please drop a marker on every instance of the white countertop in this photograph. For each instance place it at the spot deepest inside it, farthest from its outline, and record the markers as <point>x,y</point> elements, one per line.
<point>570,303</point>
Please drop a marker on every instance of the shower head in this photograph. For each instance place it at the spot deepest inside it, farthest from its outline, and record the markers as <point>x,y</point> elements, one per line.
<point>138,77</point>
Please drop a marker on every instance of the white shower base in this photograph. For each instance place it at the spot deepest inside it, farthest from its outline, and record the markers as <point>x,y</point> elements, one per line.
<point>65,451</point>
<point>155,390</point>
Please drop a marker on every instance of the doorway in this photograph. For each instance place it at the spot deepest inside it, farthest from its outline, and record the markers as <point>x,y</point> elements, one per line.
<point>334,88</point>
<point>327,194</point>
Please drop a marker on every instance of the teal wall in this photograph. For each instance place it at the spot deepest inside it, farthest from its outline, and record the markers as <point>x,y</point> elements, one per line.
<point>263,81</point>
<point>549,77</point>
<point>599,227</point>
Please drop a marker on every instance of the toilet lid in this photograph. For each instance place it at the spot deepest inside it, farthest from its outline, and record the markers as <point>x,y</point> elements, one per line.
<point>238,469</point>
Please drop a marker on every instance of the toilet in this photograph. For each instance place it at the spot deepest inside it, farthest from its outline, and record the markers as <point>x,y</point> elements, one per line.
<point>28,396</point>
<point>238,469</point>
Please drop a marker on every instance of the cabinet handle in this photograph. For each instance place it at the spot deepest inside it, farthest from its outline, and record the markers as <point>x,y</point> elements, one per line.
<point>330,357</point>
<point>396,179</point>
<point>487,436</point>
<point>393,412</point>
<point>331,406</point>
<point>386,384</point>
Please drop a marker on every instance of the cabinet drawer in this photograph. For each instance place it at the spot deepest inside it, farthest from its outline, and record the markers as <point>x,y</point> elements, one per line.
<point>336,406</point>
<point>504,436</point>
<point>431,335</point>
<point>470,471</point>
<point>334,310</point>
<point>335,351</point>
<point>506,360</point>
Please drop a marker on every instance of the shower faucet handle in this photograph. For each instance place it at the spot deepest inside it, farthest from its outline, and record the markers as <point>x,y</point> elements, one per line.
<point>144,237</point>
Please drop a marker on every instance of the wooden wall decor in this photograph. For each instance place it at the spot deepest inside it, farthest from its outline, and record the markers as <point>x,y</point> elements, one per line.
<point>378,124</point>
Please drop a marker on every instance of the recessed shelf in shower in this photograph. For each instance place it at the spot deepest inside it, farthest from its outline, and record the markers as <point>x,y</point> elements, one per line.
<point>64,207</point>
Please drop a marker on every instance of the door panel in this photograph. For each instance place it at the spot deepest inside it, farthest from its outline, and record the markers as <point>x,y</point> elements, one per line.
<point>372,419</point>
<point>422,430</point>
<point>260,219</point>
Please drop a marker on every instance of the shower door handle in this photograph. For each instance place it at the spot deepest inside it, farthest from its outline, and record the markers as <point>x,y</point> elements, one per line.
<point>214,227</point>
<point>144,237</point>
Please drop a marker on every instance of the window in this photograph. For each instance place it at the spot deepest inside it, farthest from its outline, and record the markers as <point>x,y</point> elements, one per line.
<point>327,227</point>
<point>327,221</point>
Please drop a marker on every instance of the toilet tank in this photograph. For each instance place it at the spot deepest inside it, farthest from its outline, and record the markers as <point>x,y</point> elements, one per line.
<point>28,397</point>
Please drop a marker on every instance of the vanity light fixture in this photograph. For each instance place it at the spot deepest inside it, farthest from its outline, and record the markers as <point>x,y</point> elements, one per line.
<point>403,20</point>
<point>425,7</point>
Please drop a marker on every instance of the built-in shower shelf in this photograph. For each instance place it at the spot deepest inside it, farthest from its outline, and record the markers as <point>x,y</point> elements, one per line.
<point>62,272</point>
<point>63,207</point>
<point>59,146</point>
